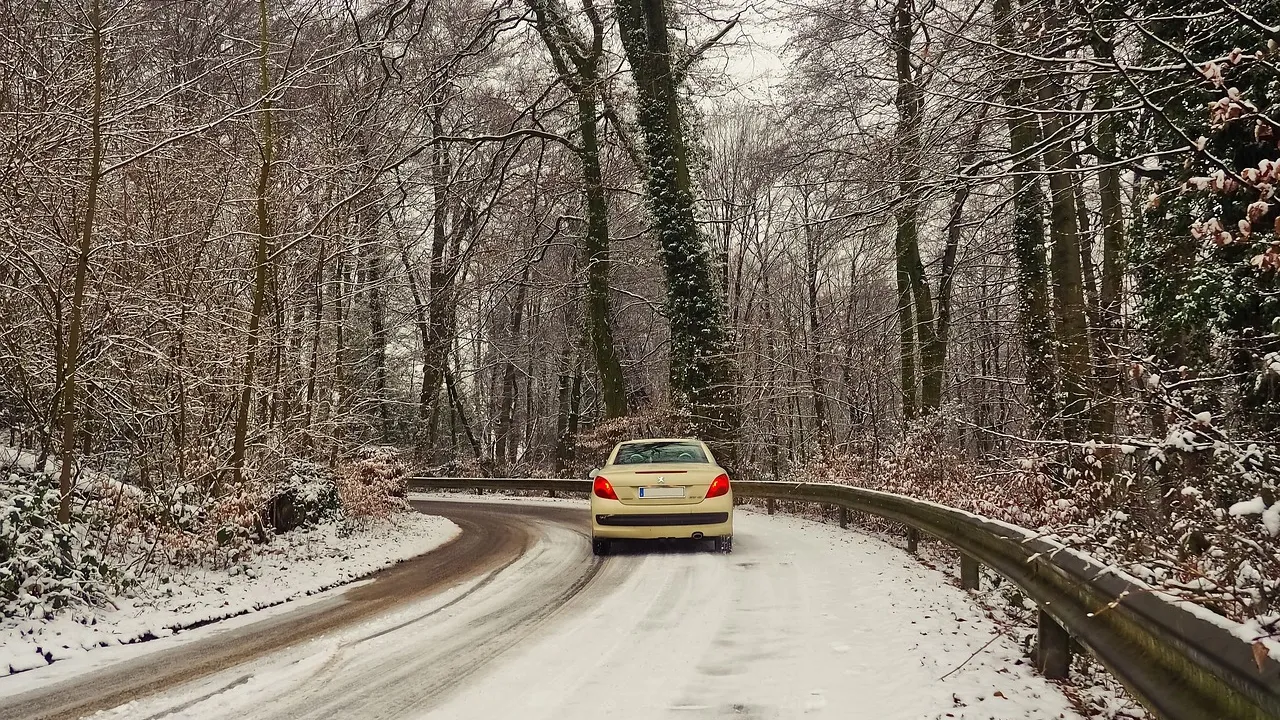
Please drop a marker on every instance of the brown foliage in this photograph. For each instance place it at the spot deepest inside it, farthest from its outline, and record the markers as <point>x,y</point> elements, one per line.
<point>372,486</point>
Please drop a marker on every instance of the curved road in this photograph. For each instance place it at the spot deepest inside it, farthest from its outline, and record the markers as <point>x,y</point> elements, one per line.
<point>516,618</point>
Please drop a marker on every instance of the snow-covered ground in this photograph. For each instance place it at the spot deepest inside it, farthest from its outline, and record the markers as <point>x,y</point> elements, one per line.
<point>295,565</point>
<point>801,620</point>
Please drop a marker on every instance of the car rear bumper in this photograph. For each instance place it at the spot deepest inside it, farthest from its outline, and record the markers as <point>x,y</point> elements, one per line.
<point>661,519</point>
<point>656,532</point>
<point>615,520</point>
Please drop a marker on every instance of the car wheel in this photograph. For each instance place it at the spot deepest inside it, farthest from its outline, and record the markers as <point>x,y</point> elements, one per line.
<point>724,544</point>
<point>599,547</point>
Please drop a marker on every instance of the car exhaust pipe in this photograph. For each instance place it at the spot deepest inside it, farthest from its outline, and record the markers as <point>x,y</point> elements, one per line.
<point>697,536</point>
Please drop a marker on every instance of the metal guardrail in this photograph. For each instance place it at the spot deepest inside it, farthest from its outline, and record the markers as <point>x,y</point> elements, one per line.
<point>548,485</point>
<point>1178,664</point>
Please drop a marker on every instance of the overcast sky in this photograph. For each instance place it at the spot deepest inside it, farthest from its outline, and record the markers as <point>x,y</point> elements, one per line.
<point>751,55</point>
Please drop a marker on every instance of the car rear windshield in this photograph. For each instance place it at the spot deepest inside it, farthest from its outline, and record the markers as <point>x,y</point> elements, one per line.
<point>660,452</point>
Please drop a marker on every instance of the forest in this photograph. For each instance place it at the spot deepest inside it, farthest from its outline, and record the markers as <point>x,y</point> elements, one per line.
<point>1014,256</point>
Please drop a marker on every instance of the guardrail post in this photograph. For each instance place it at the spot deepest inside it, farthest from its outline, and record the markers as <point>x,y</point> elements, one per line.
<point>479,491</point>
<point>551,493</point>
<point>769,505</point>
<point>844,516</point>
<point>913,540</point>
<point>1053,648</point>
<point>968,572</point>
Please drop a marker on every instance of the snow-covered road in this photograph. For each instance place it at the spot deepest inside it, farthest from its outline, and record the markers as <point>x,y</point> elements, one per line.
<point>802,620</point>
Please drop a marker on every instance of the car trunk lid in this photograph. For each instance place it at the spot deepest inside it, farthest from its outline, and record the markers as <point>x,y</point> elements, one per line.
<point>661,483</point>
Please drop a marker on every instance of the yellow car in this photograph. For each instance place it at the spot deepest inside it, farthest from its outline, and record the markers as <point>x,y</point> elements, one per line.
<point>658,489</point>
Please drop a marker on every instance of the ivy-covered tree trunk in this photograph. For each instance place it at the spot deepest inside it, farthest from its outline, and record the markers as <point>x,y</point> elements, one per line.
<point>1028,235</point>
<point>701,365</point>
<point>613,388</point>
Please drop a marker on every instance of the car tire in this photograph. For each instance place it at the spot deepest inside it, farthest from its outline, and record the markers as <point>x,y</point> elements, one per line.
<point>724,544</point>
<point>599,547</point>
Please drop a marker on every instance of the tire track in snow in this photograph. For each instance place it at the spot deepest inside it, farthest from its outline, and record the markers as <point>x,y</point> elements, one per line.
<point>425,666</point>
<point>488,540</point>
<point>802,621</point>
<point>635,641</point>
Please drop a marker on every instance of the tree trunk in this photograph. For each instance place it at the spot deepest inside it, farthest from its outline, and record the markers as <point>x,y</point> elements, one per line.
<point>1089,272</point>
<point>569,401</point>
<point>942,331</point>
<point>612,382</point>
<point>428,408</point>
<point>701,363</point>
<point>816,370</point>
<point>917,329</point>
<point>261,254</point>
<point>317,317</point>
<point>1114,252</point>
<point>340,390</point>
<point>1071,323</point>
<point>906,333</point>
<point>440,302</point>
<point>578,63</point>
<point>945,280</point>
<point>377,310</point>
<point>1028,237</point>
<point>1066,262</point>
<point>452,389</point>
<point>71,355</point>
<point>504,447</point>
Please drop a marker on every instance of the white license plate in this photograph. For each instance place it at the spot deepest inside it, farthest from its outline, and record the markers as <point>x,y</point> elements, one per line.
<point>661,492</point>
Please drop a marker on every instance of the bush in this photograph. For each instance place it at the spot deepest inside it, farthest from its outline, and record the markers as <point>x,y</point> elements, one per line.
<point>308,496</point>
<point>45,565</point>
<point>925,466</point>
<point>373,484</point>
<point>1196,514</point>
<point>595,444</point>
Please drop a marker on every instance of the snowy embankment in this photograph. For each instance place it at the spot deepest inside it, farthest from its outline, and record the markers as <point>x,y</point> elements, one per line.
<point>294,565</point>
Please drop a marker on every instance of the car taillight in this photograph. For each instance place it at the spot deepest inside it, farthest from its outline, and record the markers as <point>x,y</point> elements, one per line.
<point>719,486</point>
<point>602,488</point>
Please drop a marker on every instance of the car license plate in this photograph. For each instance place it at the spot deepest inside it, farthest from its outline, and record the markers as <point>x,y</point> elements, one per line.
<point>661,492</point>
